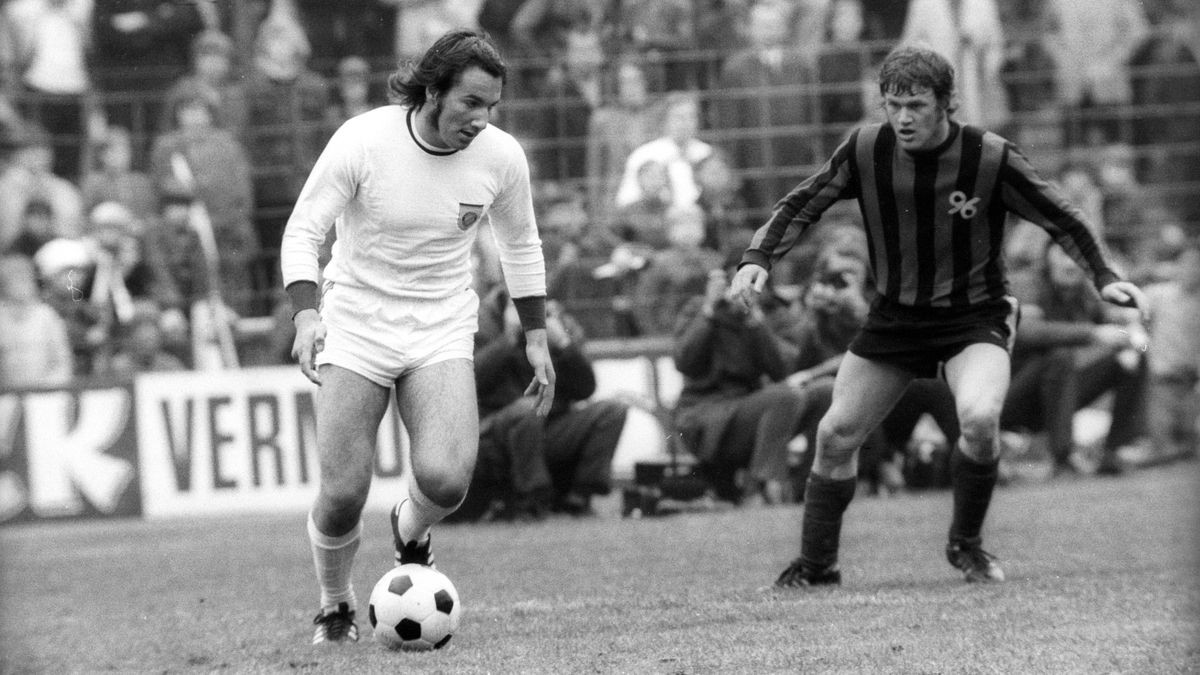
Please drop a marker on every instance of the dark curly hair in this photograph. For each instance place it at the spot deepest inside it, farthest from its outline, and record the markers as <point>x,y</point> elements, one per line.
<point>442,66</point>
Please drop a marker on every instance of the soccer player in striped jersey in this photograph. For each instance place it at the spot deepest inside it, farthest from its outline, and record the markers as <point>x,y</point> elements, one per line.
<point>934,196</point>
<point>406,185</point>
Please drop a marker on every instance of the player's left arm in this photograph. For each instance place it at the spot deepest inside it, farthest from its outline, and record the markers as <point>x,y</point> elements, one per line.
<point>524,267</point>
<point>1025,193</point>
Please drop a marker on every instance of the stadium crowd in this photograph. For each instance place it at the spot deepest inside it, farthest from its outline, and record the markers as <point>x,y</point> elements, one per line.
<point>150,153</point>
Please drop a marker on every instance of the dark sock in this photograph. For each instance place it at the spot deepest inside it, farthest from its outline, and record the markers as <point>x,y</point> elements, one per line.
<point>825,500</point>
<point>973,484</point>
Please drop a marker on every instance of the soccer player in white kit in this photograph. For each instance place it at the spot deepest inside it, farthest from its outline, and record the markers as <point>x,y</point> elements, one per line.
<point>406,185</point>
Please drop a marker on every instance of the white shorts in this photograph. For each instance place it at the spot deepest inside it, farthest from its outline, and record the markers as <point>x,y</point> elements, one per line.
<point>382,337</point>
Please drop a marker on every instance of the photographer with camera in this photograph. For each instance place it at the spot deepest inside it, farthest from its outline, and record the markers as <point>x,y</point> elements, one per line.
<point>736,413</point>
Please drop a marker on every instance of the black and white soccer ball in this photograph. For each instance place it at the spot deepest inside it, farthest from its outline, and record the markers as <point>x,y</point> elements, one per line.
<point>414,607</point>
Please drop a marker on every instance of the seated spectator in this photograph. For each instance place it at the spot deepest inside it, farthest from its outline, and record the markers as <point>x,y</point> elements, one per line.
<point>220,170</point>
<point>737,427</point>
<point>674,274</point>
<point>643,220</point>
<point>1070,349</point>
<point>835,301</point>
<point>113,178</point>
<point>34,348</point>
<point>140,345</point>
<point>181,281</point>
<point>676,147</point>
<point>1173,405</point>
<point>535,464</point>
<point>66,268</point>
<point>721,200</point>
<point>211,70</point>
<point>28,176</point>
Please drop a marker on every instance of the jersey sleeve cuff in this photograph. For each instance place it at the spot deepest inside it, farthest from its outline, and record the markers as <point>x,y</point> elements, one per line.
<point>755,257</point>
<point>532,311</point>
<point>1105,277</point>
<point>303,295</point>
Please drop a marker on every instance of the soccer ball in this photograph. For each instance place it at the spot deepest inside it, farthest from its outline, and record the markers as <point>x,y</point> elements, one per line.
<point>414,607</point>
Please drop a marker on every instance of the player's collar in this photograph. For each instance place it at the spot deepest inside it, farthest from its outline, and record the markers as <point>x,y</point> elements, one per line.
<point>412,131</point>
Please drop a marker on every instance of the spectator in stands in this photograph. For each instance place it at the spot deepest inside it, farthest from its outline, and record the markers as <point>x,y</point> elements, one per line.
<point>563,103</point>
<point>642,221</point>
<point>1173,405</point>
<point>419,22</point>
<point>558,462</point>
<point>140,345</point>
<point>737,427</point>
<point>353,92</point>
<point>113,178</point>
<point>29,177</point>
<point>1091,43</point>
<point>676,147</point>
<point>624,120</point>
<point>720,199</point>
<point>844,73</point>
<point>287,130</point>
<point>212,69</point>
<point>968,33</point>
<point>37,227</point>
<point>674,274</point>
<point>1070,349</point>
<point>364,27</point>
<point>66,268</point>
<point>221,171</point>
<point>142,46</point>
<point>49,45</point>
<point>764,93</point>
<point>1165,76</point>
<point>663,34</point>
<point>34,348</point>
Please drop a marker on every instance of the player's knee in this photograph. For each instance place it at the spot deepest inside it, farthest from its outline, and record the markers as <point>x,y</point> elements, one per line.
<point>837,440</point>
<point>980,428</point>
<point>342,508</point>
<point>447,488</point>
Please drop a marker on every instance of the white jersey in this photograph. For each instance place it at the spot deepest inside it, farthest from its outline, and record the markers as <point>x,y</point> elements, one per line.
<point>407,213</point>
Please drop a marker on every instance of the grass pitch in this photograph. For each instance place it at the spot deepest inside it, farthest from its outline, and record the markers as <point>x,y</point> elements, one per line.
<point>1102,578</point>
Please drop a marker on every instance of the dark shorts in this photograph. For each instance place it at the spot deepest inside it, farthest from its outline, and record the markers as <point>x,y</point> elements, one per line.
<point>921,339</point>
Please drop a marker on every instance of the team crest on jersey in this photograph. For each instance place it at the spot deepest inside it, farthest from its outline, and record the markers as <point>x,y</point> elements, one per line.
<point>468,215</point>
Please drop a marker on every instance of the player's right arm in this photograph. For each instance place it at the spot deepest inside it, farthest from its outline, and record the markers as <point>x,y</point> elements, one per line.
<point>791,218</point>
<point>330,186</point>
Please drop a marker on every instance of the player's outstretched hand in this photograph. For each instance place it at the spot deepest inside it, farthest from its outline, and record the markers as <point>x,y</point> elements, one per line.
<point>310,340</point>
<point>1127,294</point>
<point>537,350</point>
<point>747,284</point>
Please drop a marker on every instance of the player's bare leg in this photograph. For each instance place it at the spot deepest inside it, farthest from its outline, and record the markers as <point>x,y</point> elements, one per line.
<point>863,394</point>
<point>349,408</point>
<point>978,376</point>
<point>437,404</point>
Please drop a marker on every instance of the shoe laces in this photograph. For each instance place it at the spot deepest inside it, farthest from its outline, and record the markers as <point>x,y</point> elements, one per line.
<point>335,625</point>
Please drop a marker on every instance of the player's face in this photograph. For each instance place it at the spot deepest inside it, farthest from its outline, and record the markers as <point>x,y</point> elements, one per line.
<point>460,113</point>
<point>919,121</point>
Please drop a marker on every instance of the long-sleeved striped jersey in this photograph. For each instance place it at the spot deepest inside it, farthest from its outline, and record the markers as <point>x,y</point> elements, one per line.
<point>935,220</point>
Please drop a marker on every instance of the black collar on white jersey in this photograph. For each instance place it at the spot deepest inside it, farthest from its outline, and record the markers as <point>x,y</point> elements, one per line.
<point>422,144</point>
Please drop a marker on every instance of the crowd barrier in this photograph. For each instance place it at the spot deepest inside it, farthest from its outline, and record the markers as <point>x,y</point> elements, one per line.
<point>238,441</point>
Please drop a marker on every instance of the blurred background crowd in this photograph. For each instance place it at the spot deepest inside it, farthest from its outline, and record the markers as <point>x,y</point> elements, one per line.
<point>150,153</point>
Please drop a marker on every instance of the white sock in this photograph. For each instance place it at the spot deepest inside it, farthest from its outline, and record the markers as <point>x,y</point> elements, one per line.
<point>418,513</point>
<point>333,558</point>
